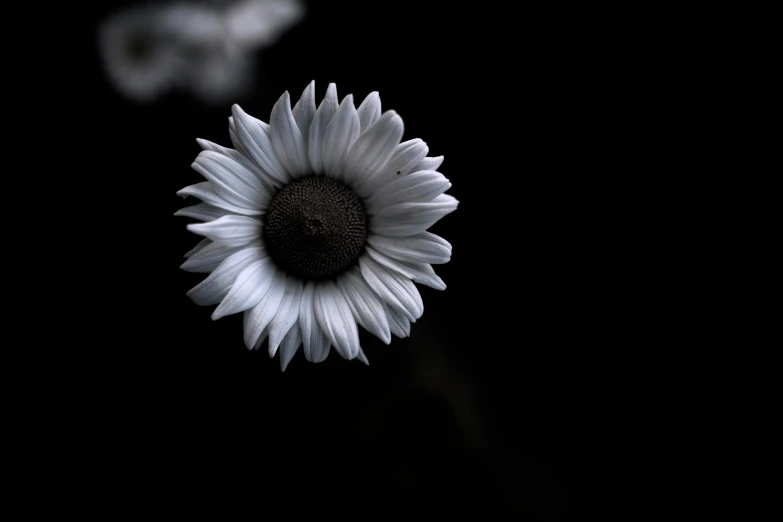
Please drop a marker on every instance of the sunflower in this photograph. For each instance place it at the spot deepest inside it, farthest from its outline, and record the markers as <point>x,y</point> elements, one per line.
<point>316,223</point>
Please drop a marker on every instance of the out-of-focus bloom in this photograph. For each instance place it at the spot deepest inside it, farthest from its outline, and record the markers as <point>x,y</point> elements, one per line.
<point>202,48</point>
<point>315,222</point>
<point>139,54</point>
<point>253,23</point>
<point>219,73</point>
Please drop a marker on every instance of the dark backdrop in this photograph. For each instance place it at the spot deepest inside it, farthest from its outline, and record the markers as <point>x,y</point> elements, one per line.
<point>536,387</point>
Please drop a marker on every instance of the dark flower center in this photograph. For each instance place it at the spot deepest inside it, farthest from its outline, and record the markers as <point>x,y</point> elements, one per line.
<point>315,228</point>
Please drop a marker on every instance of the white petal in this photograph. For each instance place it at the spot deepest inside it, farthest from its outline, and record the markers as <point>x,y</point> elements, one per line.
<point>418,272</point>
<point>287,314</point>
<point>215,287</point>
<point>202,212</point>
<point>208,258</point>
<point>316,344</point>
<point>289,346</point>
<point>250,286</point>
<point>235,141</point>
<point>260,340</point>
<point>257,318</point>
<point>363,357</point>
<point>340,135</point>
<point>370,110</point>
<point>446,199</point>
<point>397,291</point>
<point>229,230</point>
<point>374,147</point>
<point>323,116</point>
<point>407,219</point>
<point>254,136</point>
<point>421,248</point>
<point>206,193</point>
<point>232,181</point>
<point>365,306</point>
<point>335,317</point>
<point>200,245</point>
<point>304,111</point>
<point>428,164</point>
<point>398,324</point>
<point>419,187</point>
<point>407,155</point>
<point>287,141</point>
<point>266,180</point>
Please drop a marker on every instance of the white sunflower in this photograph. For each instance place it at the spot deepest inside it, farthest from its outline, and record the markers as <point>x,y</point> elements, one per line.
<point>317,222</point>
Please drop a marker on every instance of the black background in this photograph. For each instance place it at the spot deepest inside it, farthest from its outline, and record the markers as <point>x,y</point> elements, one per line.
<point>538,386</point>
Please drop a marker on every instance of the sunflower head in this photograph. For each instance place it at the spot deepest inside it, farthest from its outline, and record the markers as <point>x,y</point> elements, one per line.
<point>316,223</point>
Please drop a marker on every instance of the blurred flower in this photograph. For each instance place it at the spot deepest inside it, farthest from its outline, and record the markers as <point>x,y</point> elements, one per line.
<point>317,222</point>
<point>138,53</point>
<point>219,73</point>
<point>202,48</point>
<point>260,22</point>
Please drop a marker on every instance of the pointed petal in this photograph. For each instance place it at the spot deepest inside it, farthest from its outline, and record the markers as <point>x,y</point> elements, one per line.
<point>206,193</point>
<point>396,290</point>
<point>199,246</point>
<point>203,212</point>
<point>398,324</point>
<point>289,346</point>
<point>257,318</point>
<point>369,111</point>
<point>407,219</point>
<point>249,287</point>
<point>365,306</point>
<point>242,158</point>
<point>363,357</point>
<point>229,230</point>
<point>340,135</point>
<point>214,288</point>
<point>254,136</point>
<point>420,248</point>
<point>287,140</point>
<point>287,314</point>
<point>418,272</point>
<point>372,150</point>
<point>260,340</point>
<point>419,187</point>
<point>407,155</point>
<point>208,258</point>
<point>235,141</point>
<point>428,164</point>
<point>316,344</point>
<point>323,116</point>
<point>304,111</point>
<point>232,181</point>
<point>336,320</point>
